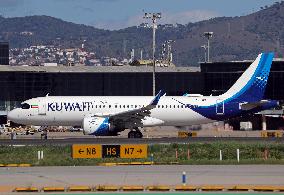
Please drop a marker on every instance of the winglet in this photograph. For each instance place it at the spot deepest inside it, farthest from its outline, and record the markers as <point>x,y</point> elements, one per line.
<point>155,101</point>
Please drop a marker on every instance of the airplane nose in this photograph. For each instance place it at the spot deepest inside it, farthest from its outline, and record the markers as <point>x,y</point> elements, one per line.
<point>12,115</point>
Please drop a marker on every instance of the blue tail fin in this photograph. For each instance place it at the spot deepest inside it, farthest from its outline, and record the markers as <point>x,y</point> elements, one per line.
<point>250,87</point>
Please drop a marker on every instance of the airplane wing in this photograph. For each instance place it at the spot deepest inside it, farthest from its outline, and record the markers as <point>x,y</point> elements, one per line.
<point>134,117</point>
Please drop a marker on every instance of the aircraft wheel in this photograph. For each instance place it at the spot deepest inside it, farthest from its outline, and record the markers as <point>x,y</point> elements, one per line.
<point>131,134</point>
<point>138,134</point>
<point>135,134</point>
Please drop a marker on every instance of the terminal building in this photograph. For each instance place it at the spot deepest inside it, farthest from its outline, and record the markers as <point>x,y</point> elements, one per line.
<point>19,83</point>
<point>4,53</point>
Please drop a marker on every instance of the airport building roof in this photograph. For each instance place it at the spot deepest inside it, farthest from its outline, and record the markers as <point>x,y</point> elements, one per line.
<point>95,69</point>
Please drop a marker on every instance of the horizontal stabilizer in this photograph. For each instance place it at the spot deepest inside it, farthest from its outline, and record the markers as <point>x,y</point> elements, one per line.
<point>253,105</point>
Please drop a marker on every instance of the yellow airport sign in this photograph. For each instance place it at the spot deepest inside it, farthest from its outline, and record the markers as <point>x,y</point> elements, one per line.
<point>86,151</point>
<point>133,151</point>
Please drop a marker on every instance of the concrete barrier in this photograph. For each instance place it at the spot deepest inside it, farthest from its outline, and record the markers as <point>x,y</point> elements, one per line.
<point>126,163</point>
<point>212,188</point>
<point>239,188</point>
<point>53,189</point>
<point>136,163</point>
<point>132,188</point>
<point>279,188</point>
<point>264,188</point>
<point>123,163</point>
<point>6,189</point>
<point>24,165</point>
<point>107,164</point>
<point>158,188</point>
<point>148,163</point>
<point>28,189</point>
<point>79,189</point>
<point>12,165</point>
<point>185,188</point>
<point>112,188</point>
<point>106,188</point>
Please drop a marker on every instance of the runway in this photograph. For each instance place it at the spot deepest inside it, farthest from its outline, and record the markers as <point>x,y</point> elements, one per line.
<point>143,175</point>
<point>119,140</point>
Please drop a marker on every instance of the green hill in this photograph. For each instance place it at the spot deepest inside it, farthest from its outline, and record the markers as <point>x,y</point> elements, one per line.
<point>235,38</point>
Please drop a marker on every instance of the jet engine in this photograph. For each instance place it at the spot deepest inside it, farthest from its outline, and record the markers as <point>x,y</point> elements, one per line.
<point>99,126</point>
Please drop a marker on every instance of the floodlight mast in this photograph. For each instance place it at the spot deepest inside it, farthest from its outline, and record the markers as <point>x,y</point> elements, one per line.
<point>205,51</point>
<point>154,17</point>
<point>208,35</point>
<point>169,54</point>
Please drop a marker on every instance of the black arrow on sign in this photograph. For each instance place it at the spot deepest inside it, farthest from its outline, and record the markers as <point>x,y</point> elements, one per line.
<point>81,151</point>
<point>140,151</point>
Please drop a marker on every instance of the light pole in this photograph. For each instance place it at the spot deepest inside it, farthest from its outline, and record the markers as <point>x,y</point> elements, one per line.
<point>208,35</point>
<point>154,17</point>
<point>205,50</point>
<point>169,55</point>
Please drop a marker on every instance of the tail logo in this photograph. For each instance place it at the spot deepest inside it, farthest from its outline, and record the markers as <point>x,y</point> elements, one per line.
<point>260,78</point>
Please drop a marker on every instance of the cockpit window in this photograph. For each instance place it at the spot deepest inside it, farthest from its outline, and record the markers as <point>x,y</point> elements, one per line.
<point>25,106</point>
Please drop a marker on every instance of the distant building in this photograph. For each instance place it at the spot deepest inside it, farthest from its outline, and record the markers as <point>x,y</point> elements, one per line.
<point>50,64</point>
<point>159,63</point>
<point>4,53</point>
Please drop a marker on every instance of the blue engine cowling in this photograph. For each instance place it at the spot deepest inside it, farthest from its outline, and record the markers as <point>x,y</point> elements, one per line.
<point>98,126</point>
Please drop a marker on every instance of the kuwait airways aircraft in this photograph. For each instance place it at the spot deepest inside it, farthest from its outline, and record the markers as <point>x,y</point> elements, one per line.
<point>105,116</point>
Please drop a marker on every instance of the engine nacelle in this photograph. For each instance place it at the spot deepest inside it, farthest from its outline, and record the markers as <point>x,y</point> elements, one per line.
<point>98,126</point>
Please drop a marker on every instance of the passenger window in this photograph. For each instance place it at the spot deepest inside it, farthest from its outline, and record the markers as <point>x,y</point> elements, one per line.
<point>127,106</point>
<point>109,106</point>
<point>100,106</point>
<point>115,106</point>
<point>25,106</point>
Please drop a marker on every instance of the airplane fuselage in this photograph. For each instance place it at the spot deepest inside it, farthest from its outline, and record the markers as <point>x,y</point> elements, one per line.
<point>70,111</point>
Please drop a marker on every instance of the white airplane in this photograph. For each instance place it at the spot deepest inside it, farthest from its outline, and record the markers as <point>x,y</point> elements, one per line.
<point>109,115</point>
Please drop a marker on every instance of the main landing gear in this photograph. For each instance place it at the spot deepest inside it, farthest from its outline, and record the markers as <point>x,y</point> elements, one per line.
<point>136,133</point>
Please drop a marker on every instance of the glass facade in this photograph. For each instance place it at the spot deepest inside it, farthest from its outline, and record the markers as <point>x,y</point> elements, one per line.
<point>4,53</point>
<point>22,85</point>
<point>220,76</point>
<point>19,86</point>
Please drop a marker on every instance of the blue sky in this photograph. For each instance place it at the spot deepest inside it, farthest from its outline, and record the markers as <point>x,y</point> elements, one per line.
<point>116,14</point>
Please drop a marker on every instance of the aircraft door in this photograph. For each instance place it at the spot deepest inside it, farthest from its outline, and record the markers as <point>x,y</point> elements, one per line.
<point>220,109</point>
<point>42,107</point>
